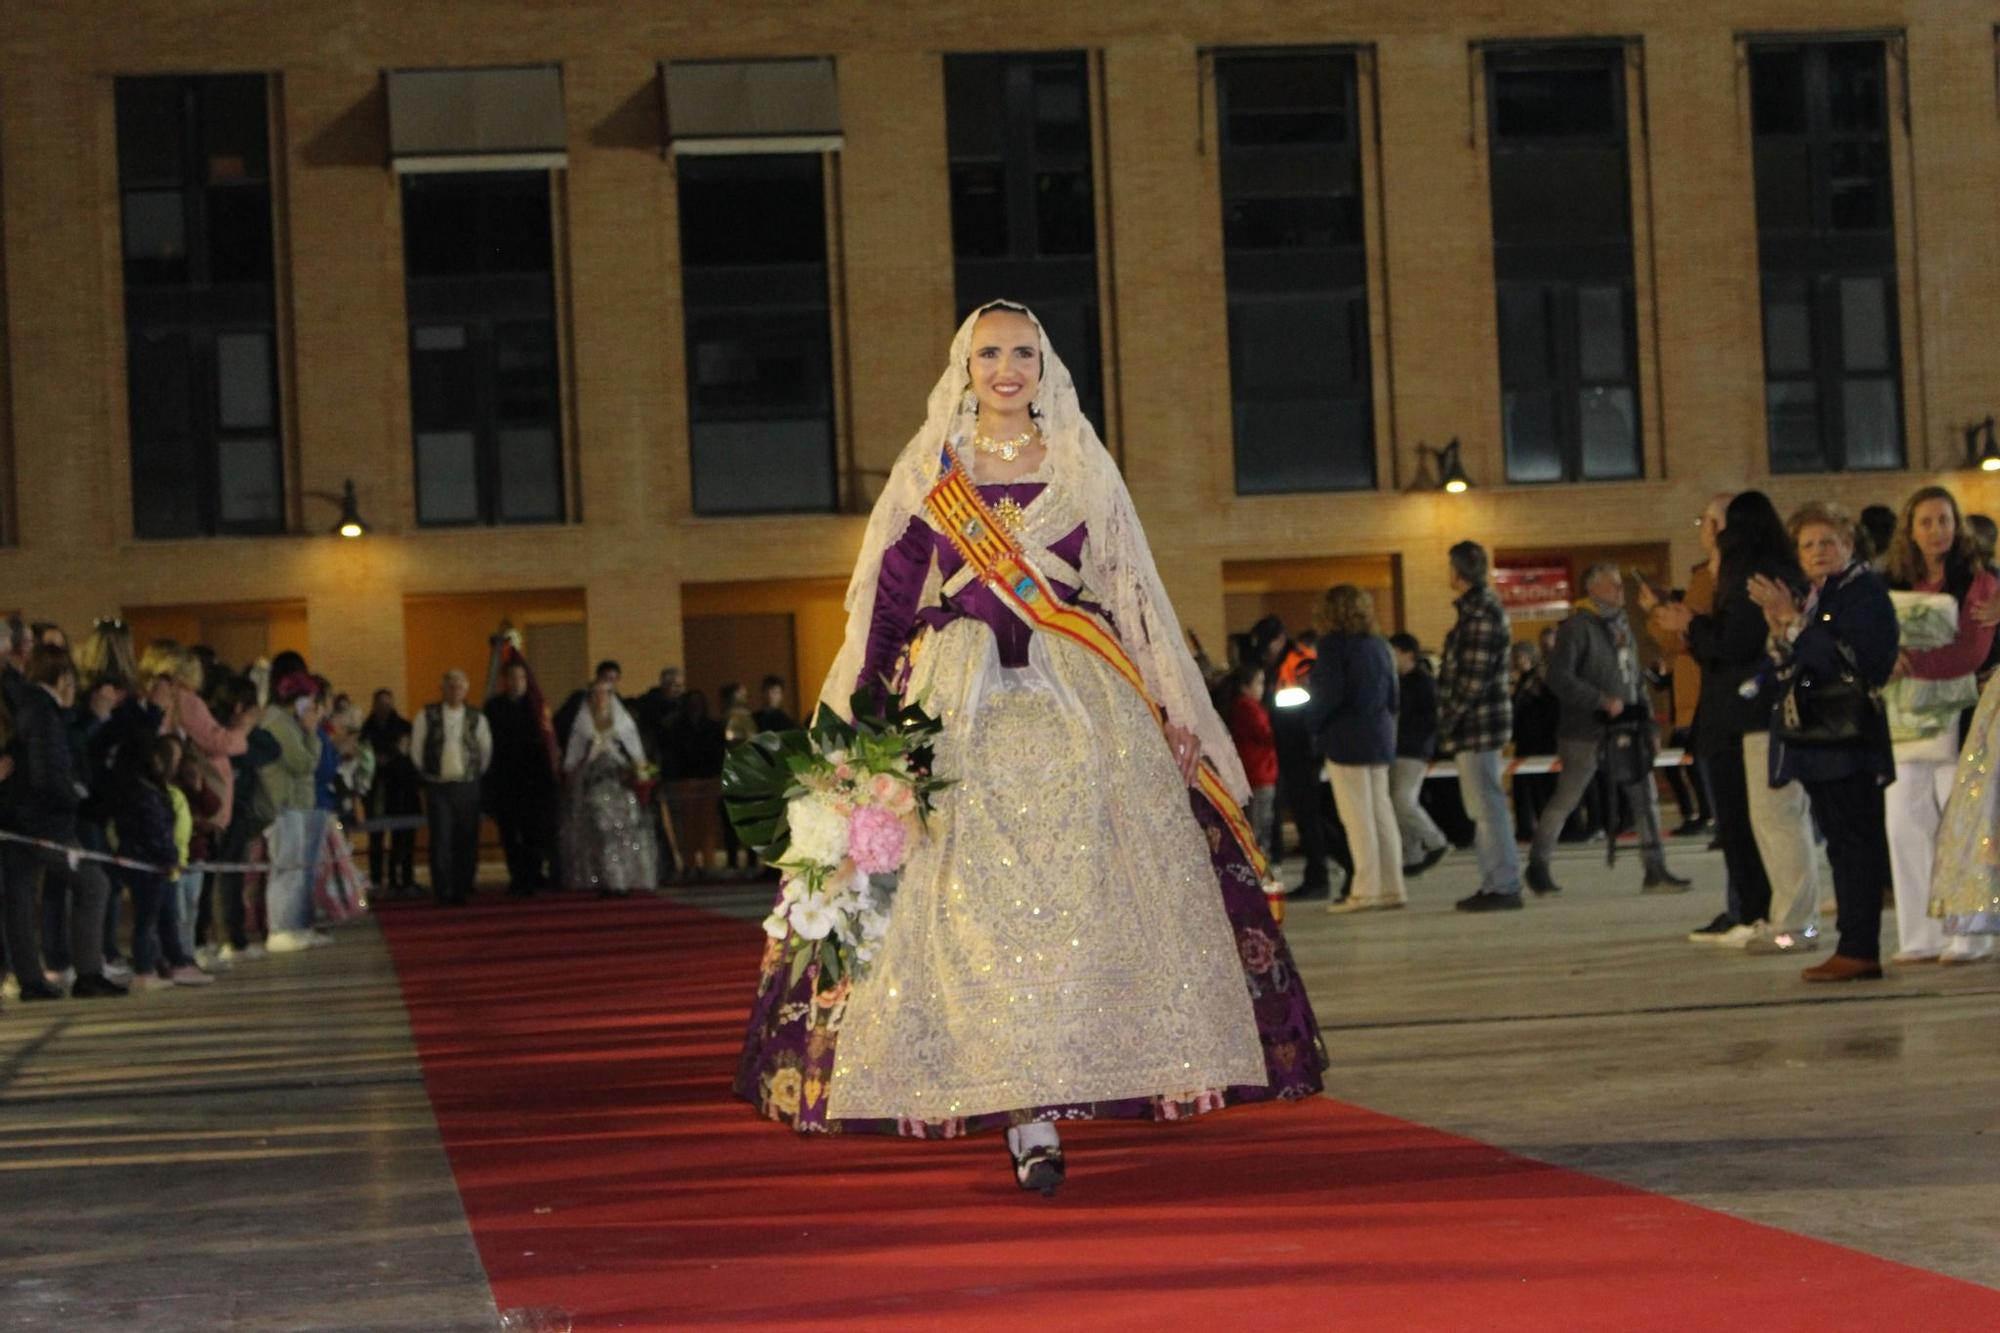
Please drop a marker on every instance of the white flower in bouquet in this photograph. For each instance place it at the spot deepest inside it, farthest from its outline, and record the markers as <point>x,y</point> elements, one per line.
<point>814,917</point>
<point>819,832</point>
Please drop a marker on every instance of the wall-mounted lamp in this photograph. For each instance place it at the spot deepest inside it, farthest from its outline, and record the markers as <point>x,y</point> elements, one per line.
<point>1981,451</point>
<point>350,524</point>
<point>1450,474</point>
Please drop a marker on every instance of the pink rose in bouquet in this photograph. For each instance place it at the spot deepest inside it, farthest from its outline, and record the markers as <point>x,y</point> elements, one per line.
<point>882,788</point>
<point>876,840</point>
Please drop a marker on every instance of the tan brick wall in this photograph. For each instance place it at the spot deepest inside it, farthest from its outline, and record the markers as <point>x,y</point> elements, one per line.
<point>347,394</point>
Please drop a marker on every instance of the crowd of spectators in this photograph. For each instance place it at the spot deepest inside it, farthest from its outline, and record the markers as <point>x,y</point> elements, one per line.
<point>165,816</point>
<point>1814,772</point>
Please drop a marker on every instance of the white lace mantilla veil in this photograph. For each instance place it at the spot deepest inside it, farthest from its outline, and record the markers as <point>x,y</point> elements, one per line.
<point>1118,566</point>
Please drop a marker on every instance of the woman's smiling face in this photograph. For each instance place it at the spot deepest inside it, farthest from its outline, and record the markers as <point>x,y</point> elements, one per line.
<point>1006,362</point>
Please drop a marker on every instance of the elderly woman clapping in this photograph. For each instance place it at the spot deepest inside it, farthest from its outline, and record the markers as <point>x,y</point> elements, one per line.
<point>1838,646</point>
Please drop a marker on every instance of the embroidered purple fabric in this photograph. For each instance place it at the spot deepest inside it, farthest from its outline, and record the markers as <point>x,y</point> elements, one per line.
<point>905,566</point>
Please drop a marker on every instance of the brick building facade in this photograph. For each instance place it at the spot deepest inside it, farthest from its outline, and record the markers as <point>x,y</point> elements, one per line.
<point>632,540</point>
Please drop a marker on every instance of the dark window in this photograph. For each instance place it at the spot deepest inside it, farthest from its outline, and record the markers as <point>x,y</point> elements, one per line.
<point>758,328</point>
<point>485,401</point>
<point>1562,254</point>
<point>194,177</point>
<point>1023,206</point>
<point>1827,253</point>
<point>1294,265</point>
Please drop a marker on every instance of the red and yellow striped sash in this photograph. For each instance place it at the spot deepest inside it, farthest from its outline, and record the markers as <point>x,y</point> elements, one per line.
<point>999,561</point>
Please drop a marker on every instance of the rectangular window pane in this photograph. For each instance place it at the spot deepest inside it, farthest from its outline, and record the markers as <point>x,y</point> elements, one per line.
<point>1525,347</point>
<point>243,380</point>
<point>1784,186</point>
<point>1291,344</point>
<point>160,386</point>
<point>1601,316</point>
<point>1608,424</point>
<point>1294,266</point>
<point>239,234</point>
<point>196,235</point>
<point>751,210</point>
<point>524,372</point>
<point>749,361</point>
<point>530,475</point>
<point>1064,224</point>
<point>1556,103</point>
<point>1788,342</point>
<point>1061,112</point>
<point>1528,420</point>
<point>155,237</point>
<point>758,337</point>
<point>493,222</point>
<point>1793,412</point>
<point>166,488</point>
<point>1856,87</point>
<point>444,391</point>
<point>249,486</point>
<point>1303,444</point>
<point>1864,323</point>
<point>235,132</point>
<point>1826,225</point>
<point>978,209</point>
<point>152,131</point>
<point>1868,420</point>
<point>1560,195</point>
<point>447,477</point>
<point>485,392</point>
<point>1778,92</point>
<point>762,467</point>
<point>1858,186</point>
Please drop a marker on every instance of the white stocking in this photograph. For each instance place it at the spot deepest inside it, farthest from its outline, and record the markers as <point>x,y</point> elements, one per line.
<point>1040,1134</point>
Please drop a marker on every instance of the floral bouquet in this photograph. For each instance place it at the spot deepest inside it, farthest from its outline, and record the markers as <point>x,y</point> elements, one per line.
<point>836,809</point>
<point>1921,709</point>
<point>645,780</point>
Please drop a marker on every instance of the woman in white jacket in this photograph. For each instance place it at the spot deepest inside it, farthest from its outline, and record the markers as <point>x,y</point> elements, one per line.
<point>607,844</point>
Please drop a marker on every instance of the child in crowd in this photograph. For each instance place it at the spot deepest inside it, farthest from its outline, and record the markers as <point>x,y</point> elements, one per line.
<point>149,828</point>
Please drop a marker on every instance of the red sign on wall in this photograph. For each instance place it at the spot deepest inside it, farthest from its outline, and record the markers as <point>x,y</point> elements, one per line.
<point>1533,592</point>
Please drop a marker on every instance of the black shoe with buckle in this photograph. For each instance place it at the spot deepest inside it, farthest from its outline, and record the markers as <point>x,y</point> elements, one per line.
<point>1039,1169</point>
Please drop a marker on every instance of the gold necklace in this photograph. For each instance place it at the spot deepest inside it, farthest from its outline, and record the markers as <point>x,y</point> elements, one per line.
<point>1009,450</point>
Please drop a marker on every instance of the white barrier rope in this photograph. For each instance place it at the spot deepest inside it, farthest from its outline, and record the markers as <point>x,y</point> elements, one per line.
<point>76,855</point>
<point>1548,763</point>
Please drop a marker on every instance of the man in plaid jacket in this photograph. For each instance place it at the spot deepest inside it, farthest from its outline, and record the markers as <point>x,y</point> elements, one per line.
<point>1475,717</point>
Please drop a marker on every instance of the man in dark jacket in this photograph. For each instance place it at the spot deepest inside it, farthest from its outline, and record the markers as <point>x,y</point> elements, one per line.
<point>521,786</point>
<point>1475,715</point>
<point>48,789</point>
<point>1595,676</point>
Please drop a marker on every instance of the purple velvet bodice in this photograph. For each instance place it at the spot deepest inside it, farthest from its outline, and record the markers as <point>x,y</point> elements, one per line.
<point>905,566</point>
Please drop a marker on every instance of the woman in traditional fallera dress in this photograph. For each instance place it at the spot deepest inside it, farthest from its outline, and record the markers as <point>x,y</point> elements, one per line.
<point>1080,934</point>
<point>607,841</point>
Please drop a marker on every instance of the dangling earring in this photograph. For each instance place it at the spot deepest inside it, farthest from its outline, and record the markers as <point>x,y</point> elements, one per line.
<point>971,404</point>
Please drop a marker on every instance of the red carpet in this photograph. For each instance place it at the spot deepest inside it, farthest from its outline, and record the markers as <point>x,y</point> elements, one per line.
<point>578,1054</point>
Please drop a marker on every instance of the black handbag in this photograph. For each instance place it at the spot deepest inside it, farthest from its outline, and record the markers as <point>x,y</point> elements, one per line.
<point>1821,710</point>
